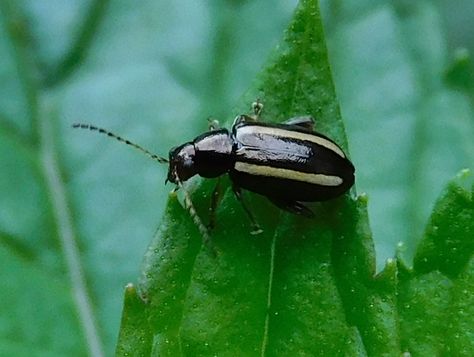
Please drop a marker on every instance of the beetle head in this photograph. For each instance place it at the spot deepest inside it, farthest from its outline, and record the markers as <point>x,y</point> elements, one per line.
<point>182,166</point>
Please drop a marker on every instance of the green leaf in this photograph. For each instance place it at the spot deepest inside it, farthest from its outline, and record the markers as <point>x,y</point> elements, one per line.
<point>330,303</point>
<point>302,287</point>
<point>135,337</point>
<point>448,242</point>
<point>460,74</point>
<point>49,331</point>
<point>435,297</point>
<point>410,129</point>
<point>76,211</point>
<point>262,295</point>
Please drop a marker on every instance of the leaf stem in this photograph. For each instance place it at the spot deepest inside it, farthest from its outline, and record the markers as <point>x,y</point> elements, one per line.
<point>80,47</point>
<point>67,238</point>
<point>17,33</point>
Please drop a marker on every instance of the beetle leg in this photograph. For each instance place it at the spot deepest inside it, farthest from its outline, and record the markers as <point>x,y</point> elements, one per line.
<point>293,207</point>
<point>215,199</point>
<point>257,108</point>
<point>306,122</point>
<point>239,119</point>
<point>206,239</point>
<point>213,124</point>
<point>255,227</point>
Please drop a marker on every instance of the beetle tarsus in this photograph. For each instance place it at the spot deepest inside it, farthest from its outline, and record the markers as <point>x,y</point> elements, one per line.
<point>238,193</point>
<point>293,207</point>
<point>213,124</point>
<point>215,199</point>
<point>239,119</point>
<point>257,108</point>
<point>256,230</point>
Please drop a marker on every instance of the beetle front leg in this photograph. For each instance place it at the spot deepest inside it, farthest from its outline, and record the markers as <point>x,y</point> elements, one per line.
<point>257,108</point>
<point>255,227</point>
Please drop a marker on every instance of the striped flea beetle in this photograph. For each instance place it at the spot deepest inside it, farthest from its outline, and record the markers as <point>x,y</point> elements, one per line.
<point>289,163</point>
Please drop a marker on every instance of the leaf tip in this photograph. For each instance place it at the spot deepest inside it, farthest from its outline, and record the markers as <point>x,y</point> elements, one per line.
<point>463,174</point>
<point>463,179</point>
<point>390,263</point>
<point>363,198</point>
<point>129,288</point>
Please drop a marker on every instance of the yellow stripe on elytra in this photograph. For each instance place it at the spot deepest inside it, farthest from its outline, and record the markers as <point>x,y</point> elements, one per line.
<point>278,132</point>
<point>276,172</point>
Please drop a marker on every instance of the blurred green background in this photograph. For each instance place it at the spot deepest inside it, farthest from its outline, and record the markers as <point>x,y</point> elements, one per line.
<point>77,211</point>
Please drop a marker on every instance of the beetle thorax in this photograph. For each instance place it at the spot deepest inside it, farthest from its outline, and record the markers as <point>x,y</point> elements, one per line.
<point>214,153</point>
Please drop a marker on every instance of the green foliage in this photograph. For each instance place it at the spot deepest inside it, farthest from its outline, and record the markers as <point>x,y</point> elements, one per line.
<point>78,210</point>
<point>410,126</point>
<point>302,287</point>
<point>435,299</point>
<point>74,221</point>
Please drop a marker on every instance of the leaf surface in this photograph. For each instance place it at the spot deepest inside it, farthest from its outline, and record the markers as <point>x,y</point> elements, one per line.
<point>302,287</point>
<point>261,294</point>
<point>77,211</point>
<point>410,128</point>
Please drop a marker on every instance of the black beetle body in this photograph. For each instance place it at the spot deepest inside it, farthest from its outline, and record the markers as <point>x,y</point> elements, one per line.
<point>287,163</point>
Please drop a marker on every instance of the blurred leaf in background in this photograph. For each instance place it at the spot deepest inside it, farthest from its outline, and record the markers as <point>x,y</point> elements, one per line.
<point>303,287</point>
<point>77,212</point>
<point>271,294</point>
<point>409,130</point>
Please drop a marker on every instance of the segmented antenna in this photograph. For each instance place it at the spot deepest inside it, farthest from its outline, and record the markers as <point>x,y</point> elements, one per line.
<point>187,200</point>
<point>155,157</point>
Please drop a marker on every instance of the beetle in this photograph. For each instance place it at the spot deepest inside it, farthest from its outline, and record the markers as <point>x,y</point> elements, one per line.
<point>289,163</point>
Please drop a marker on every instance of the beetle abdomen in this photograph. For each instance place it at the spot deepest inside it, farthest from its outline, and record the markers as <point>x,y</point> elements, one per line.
<point>285,161</point>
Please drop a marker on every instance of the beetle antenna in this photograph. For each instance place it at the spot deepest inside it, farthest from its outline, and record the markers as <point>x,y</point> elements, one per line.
<point>192,212</point>
<point>155,157</point>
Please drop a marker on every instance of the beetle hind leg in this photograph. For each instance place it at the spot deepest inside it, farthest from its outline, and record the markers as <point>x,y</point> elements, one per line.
<point>257,108</point>
<point>255,226</point>
<point>239,119</point>
<point>306,122</point>
<point>293,207</point>
<point>215,200</point>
